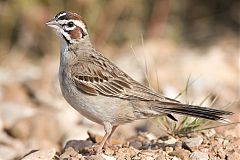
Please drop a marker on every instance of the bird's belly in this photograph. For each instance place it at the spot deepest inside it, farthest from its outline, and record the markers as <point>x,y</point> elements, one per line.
<point>98,108</point>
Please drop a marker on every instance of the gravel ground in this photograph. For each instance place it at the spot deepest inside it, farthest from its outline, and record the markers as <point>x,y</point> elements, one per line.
<point>202,146</point>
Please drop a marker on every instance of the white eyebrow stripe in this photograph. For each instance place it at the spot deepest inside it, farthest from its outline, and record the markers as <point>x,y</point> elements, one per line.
<point>62,14</point>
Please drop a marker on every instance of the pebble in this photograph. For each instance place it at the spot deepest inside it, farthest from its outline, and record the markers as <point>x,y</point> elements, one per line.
<point>78,145</point>
<point>194,142</point>
<point>108,157</point>
<point>178,145</point>
<point>109,151</point>
<point>225,143</point>
<point>161,155</point>
<point>92,157</point>
<point>70,153</point>
<point>175,158</point>
<point>170,141</point>
<point>45,154</point>
<point>220,140</point>
<point>148,153</point>
<point>126,153</point>
<point>181,153</point>
<point>151,136</point>
<point>197,155</point>
<point>168,149</point>
<point>135,144</point>
<point>209,133</point>
<point>81,132</point>
<point>221,153</point>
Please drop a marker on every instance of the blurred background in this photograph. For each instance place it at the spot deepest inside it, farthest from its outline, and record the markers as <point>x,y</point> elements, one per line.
<point>162,43</point>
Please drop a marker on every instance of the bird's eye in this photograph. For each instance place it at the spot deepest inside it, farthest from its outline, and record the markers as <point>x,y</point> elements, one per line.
<point>70,24</point>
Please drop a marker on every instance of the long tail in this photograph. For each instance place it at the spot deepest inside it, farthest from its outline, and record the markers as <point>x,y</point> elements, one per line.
<point>191,110</point>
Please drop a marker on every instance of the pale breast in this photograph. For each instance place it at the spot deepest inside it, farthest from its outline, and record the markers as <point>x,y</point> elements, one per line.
<point>96,108</point>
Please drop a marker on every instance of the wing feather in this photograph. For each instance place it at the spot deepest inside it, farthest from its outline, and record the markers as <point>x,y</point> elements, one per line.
<point>85,87</point>
<point>98,76</point>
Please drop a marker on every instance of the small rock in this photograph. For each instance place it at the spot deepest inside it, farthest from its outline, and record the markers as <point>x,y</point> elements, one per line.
<point>206,150</point>
<point>147,154</point>
<point>168,149</point>
<point>219,140</point>
<point>221,153</point>
<point>161,155</point>
<point>135,144</point>
<point>175,158</point>
<point>234,156</point>
<point>108,157</point>
<point>181,153</point>
<point>93,157</point>
<point>225,143</point>
<point>45,154</point>
<point>197,155</point>
<point>148,158</point>
<point>209,133</point>
<point>70,153</point>
<point>82,132</point>
<point>78,145</point>
<point>194,142</point>
<point>109,151</point>
<point>178,145</point>
<point>126,153</point>
<point>170,141</point>
<point>150,136</point>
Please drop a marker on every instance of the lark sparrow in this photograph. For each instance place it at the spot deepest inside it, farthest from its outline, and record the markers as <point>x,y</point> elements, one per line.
<point>102,92</point>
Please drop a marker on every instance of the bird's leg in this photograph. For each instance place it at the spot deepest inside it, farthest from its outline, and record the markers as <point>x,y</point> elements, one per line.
<point>109,137</point>
<point>108,129</point>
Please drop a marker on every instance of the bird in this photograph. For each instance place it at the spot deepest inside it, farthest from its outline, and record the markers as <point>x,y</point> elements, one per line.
<point>99,90</point>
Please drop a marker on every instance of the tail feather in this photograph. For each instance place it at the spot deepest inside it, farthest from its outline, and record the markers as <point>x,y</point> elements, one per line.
<point>191,110</point>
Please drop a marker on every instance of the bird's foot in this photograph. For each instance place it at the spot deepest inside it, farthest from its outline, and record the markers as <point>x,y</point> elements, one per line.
<point>98,148</point>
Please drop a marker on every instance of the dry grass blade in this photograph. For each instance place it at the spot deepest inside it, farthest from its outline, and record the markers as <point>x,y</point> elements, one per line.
<point>146,72</point>
<point>185,90</point>
<point>187,124</point>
